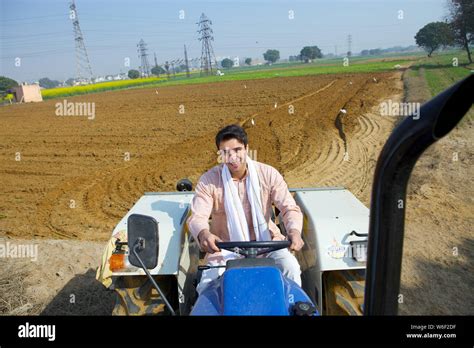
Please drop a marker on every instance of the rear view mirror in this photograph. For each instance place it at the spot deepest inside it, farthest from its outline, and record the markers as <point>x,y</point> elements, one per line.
<point>142,231</point>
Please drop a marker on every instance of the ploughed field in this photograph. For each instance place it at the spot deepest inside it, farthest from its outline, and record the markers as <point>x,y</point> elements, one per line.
<point>74,177</point>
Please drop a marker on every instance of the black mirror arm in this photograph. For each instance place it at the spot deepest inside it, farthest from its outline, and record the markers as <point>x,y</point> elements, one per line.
<point>140,245</point>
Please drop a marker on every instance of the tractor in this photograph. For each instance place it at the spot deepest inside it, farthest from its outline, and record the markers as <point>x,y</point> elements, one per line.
<point>351,260</point>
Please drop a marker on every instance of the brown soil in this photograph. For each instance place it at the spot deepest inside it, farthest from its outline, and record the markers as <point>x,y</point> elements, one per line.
<point>73,182</point>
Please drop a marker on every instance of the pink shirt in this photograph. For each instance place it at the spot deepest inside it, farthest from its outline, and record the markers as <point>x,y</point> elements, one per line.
<point>208,202</point>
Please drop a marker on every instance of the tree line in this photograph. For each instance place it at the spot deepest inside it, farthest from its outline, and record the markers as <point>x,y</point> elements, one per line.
<point>456,30</point>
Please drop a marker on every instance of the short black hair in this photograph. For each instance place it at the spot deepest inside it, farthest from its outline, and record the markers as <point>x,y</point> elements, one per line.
<point>232,131</point>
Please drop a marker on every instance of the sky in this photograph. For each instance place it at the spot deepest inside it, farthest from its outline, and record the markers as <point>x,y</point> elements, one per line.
<point>37,40</point>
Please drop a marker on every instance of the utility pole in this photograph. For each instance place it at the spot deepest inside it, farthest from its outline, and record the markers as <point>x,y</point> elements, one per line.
<point>349,45</point>
<point>167,68</point>
<point>186,61</point>
<point>207,52</point>
<point>156,64</point>
<point>83,65</point>
<point>172,67</point>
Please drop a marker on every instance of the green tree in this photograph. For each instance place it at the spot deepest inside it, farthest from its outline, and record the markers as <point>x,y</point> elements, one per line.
<point>310,52</point>
<point>227,63</point>
<point>248,61</point>
<point>133,74</point>
<point>6,84</point>
<point>433,36</point>
<point>271,56</point>
<point>461,16</point>
<point>157,70</point>
<point>47,83</point>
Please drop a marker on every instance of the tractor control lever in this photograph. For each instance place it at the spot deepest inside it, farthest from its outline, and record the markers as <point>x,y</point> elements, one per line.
<point>203,268</point>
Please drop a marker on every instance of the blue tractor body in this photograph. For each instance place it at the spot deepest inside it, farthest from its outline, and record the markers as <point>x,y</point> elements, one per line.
<point>254,290</point>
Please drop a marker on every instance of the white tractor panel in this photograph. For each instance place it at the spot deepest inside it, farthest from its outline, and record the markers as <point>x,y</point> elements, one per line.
<point>170,210</point>
<point>332,214</point>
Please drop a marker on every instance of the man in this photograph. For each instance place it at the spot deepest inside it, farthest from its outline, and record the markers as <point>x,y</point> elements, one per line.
<point>238,195</point>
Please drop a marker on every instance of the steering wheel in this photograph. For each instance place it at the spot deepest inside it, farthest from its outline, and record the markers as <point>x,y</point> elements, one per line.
<point>253,249</point>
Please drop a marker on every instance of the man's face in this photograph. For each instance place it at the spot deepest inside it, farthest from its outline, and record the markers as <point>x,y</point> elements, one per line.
<point>233,153</point>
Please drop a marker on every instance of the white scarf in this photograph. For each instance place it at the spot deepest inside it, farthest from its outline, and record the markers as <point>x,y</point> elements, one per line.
<point>236,221</point>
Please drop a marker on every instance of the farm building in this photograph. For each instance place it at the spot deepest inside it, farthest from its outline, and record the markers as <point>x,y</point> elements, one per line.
<point>27,93</point>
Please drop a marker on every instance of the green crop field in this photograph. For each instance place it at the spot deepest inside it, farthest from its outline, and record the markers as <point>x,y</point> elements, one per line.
<point>439,71</point>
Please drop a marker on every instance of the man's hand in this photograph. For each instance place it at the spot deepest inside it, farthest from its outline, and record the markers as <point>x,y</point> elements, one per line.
<point>296,241</point>
<point>207,241</point>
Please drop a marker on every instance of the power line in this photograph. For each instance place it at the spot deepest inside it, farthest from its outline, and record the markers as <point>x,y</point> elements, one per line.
<point>30,18</point>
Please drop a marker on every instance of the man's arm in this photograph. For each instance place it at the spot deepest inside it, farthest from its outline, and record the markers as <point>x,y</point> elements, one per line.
<point>198,222</point>
<point>290,212</point>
